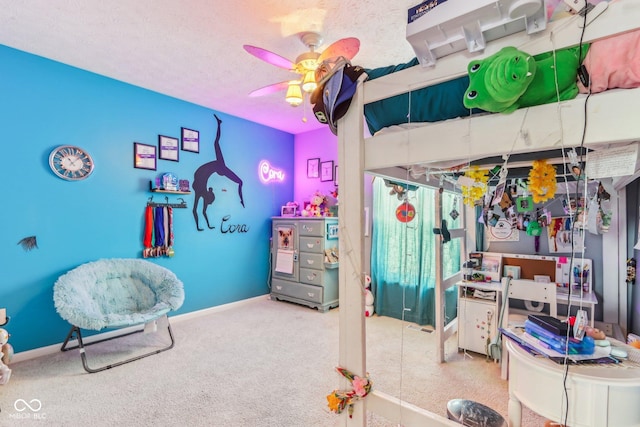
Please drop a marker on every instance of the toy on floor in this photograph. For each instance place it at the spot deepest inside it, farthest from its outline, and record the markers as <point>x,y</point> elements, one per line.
<point>511,79</point>
<point>368,297</point>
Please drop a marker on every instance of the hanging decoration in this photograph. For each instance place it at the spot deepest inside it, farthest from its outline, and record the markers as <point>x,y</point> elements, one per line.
<point>542,181</point>
<point>339,400</point>
<point>478,188</point>
<point>405,212</point>
<point>158,229</point>
<point>399,189</point>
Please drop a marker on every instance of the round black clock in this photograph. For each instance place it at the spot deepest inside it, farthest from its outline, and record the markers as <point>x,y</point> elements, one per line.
<point>70,162</point>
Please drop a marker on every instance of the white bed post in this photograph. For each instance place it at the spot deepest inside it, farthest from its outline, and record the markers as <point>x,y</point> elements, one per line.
<point>351,248</point>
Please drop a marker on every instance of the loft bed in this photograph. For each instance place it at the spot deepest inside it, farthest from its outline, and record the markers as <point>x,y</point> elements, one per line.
<point>612,119</point>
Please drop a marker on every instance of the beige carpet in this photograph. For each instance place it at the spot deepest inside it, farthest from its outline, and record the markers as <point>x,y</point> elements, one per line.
<point>261,363</point>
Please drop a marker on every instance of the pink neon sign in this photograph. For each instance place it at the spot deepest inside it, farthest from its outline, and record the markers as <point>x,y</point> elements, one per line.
<point>268,173</point>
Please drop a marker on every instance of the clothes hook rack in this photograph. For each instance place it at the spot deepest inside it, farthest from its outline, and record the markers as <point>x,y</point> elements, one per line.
<point>180,205</point>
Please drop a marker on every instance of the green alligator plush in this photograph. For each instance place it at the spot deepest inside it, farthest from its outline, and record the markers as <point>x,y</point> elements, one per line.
<point>512,79</point>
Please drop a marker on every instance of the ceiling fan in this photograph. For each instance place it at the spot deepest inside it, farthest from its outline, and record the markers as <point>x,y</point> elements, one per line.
<point>304,66</point>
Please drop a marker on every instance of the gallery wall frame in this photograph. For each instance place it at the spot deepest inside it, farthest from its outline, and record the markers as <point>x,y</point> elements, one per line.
<point>190,140</point>
<point>326,171</point>
<point>313,168</point>
<point>168,148</point>
<point>144,156</point>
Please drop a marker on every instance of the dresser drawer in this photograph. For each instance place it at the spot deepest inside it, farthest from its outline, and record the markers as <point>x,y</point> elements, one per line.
<point>312,244</point>
<point>310,276</point>
<point>297,290</point>
<point>311,228</point>
<point>311,260</point>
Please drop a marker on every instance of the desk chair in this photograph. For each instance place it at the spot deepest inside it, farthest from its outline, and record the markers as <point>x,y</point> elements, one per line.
<point>525,290</point>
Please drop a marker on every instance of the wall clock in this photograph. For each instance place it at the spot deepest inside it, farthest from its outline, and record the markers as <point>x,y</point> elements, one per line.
<point>70,162</point>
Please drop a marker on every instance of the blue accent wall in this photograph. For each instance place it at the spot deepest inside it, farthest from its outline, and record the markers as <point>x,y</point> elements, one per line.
<point>44,104</point>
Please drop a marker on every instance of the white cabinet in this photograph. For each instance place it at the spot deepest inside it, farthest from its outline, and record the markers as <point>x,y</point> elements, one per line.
<point>478,317</point>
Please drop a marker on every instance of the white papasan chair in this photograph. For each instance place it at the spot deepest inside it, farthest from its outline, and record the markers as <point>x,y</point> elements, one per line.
<point>116,293</point>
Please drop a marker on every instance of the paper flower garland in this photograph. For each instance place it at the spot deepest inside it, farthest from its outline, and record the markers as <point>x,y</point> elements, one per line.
<point>475,191</point>
<point>338,400</point>
<point>542,181</point>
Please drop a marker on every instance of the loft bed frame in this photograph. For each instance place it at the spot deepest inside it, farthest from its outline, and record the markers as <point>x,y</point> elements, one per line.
<point>612,119</point>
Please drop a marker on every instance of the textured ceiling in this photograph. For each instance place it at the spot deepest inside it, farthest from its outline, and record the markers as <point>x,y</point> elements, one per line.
<point>192,49</point>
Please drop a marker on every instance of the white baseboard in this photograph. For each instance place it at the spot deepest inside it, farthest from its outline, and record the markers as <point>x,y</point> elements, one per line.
<point>54,348</point>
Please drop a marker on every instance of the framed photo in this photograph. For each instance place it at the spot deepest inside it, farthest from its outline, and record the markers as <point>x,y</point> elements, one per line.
<point>326,171</point>
<point>190,140</point>
<point>524,204</point>
<point>144,156</point>
<point>335,175</point>
<point>313,168</point>
<point>332,231</point>
<point>168,147</point>
<point>288,211</point>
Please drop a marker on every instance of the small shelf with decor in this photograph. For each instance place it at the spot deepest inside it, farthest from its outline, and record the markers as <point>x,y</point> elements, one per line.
<point>162,190</point>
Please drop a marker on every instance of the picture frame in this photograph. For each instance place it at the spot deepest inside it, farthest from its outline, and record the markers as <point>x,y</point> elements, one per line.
<point>144,156</point>
<point>190,140</point>
<point>168,148</point>
<point>335,175</point>
<point>332,231</point>
<point>288,211</point>
<point>313,168</point>
<point>326,171</point>
<point>524,204</point>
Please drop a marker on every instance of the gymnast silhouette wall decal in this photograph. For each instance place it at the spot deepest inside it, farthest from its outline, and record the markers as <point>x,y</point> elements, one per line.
<point>201,178</point>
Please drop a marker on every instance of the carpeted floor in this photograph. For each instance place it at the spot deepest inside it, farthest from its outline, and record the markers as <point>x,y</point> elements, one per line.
<point>259,363</point>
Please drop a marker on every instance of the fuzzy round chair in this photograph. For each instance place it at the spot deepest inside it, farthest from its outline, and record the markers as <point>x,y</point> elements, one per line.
<point>115,293</point>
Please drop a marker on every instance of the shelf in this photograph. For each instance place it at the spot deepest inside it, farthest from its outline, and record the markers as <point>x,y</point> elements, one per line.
<point>158,190</point>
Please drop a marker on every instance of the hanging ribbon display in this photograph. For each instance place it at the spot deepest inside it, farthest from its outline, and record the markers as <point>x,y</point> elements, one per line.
<point>158,224</point>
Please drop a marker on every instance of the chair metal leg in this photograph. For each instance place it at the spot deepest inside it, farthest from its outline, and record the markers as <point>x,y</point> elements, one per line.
<point>81,345</point>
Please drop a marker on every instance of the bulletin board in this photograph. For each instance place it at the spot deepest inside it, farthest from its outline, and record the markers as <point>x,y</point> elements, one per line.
<point>530,267</point>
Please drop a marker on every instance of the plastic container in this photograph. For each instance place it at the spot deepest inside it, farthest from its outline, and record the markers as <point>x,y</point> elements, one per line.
<point>558,342</point>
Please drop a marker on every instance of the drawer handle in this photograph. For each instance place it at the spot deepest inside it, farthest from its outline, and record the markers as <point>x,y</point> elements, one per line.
<point>307,228</point>
<point>310,262</point>
<point>311,294</point>
<point>279,288</point>
<point>311,277</point>
<point>310,245</point>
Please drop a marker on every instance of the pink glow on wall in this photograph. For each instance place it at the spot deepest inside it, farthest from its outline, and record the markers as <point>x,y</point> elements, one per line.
<point>322,144</point>
<point>267,173</point>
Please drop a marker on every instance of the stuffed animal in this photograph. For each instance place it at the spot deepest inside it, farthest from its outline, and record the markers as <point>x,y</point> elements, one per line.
<point>316,205</point>
<point>368,297</point>
<point>511,79</point>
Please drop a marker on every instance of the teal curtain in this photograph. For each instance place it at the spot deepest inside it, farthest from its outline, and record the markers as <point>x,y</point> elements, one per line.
<point>403,256</point>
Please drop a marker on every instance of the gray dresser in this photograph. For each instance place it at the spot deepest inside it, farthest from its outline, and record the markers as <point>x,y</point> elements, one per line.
<point>301,267</point>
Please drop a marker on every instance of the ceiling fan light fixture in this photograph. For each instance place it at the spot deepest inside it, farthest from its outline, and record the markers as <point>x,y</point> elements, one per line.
<point>309,82</point>
<point>294,94</point>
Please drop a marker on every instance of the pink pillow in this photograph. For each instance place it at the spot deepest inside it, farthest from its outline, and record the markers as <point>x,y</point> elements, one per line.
<point>613,62</point>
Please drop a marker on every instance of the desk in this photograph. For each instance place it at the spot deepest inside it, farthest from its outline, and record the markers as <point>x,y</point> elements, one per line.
<point>599,395</point>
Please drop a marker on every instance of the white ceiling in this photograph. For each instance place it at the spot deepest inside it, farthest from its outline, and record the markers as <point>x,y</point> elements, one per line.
<point>192,49</point>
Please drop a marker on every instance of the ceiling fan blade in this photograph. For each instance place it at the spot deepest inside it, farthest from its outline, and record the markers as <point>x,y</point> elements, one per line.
<point>348,48</point>
<point>276,87</point>
<point>270,57</point>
